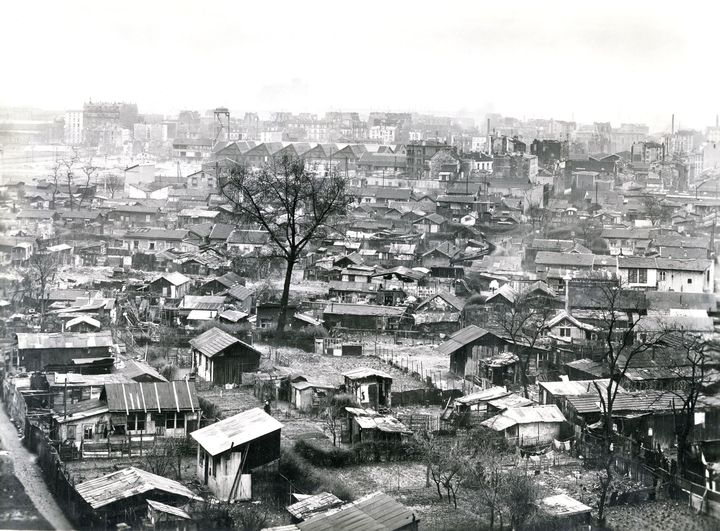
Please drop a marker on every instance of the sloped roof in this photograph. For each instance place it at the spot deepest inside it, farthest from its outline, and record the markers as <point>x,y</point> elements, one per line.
<point>313,504</point>
<point>335,308</point>
<point>374,512</point>
<point>174,278</point>
<point>235,431</point>
<point>574,387</point>
<point>461,338</point>
<point>152,396</point>
<point>364,372</point>
<point>168,509</point>
<point>240,292</point>
<point>452,299</point>
<point>524,415</point>
<point>202,302</point>
<point>564,259</point>
<point>127,483</point>
<point>214,341</point>
<point>483,396</point>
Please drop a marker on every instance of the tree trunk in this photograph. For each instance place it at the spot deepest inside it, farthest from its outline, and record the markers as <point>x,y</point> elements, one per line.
<point>282,315</point>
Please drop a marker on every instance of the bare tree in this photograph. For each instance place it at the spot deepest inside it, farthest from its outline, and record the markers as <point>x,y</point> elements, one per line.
<point>657,212</point>
<point>113,183</point>
<point>89,170</point>
<point>447,462</point>
<point>68,169</point>
<point>619,325</point>
<point>691,379</point>
<point>42,269</point>
<point>525,323</point>
<point>334,413</point>
<point>56,174</point>
<point>293,205</point>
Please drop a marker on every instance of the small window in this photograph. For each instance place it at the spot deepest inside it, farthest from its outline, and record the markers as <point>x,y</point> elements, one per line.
<point>565,332</point>
<point>87,432</point>
<point>71,432</point>
<point>152,246</point>
<point>136,422</point>
<point>689,281</point>
<point>136,244</point>
<point>661,276</point>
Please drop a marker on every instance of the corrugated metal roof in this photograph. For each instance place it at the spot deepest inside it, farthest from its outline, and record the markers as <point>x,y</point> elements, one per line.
<point>236,430</point>
<point>640,402</point>
<point>177,395</point>
<point>202,302</point>
<point>126,483</point>
<point>374,512</point>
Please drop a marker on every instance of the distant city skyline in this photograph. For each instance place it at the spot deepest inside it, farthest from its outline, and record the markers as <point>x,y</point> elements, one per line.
<point>627,62</point>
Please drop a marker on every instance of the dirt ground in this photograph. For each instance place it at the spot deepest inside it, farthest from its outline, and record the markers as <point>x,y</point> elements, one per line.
<point>87,469</point>
<point>25,501</point>
<point>17,510</point>
<point>331,367</point>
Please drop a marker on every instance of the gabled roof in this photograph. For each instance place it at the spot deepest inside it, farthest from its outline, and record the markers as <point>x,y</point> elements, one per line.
<point>127,483</point>
<point>152,396</point>
<point>564,316</point>
<point>453,300</point>
<point>505,291</point>
<point>174,278</point>
<point>214,341</point>
<point>235,431</point>
<point>228,280</point>
<point>446,248</point>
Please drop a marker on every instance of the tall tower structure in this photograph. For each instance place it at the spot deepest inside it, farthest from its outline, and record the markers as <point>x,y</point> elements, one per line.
<point>222,125</point>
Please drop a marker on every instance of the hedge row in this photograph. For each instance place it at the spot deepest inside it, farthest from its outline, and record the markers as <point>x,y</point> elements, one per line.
<point>360,453</point>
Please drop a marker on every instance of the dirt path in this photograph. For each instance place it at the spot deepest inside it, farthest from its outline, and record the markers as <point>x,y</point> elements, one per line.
<point>30,474</point>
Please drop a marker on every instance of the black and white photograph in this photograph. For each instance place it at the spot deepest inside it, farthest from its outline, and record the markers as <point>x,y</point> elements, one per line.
<point>382,266</point>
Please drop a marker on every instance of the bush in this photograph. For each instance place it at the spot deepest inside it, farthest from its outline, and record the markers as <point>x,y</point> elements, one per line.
<point>361,453</point>
<point>475,300</point>
<point>335,456</point>
<point>304,476</point>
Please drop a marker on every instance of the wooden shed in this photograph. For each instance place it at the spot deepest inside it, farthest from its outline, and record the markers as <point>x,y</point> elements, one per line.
<point>221,358</point>
<point>229,450</point>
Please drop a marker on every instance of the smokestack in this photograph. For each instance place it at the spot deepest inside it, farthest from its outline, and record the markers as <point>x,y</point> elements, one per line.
<point>672,126</point>
<point>717,120</point>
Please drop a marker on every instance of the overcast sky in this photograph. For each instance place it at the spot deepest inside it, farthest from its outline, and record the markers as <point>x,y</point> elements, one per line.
<point>592,61</point>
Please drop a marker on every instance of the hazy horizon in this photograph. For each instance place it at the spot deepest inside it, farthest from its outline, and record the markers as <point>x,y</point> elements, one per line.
<point>622,62</point>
